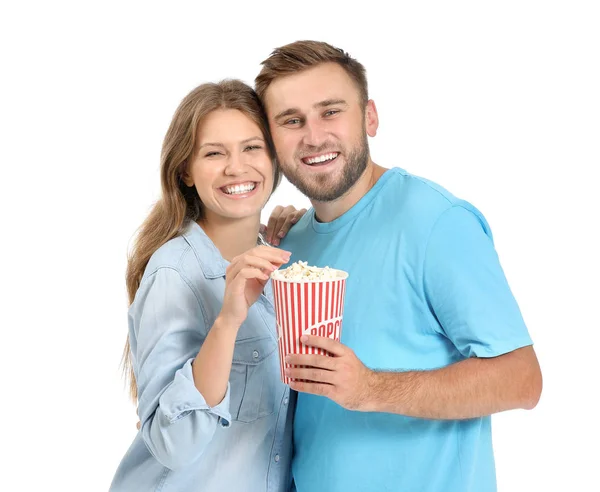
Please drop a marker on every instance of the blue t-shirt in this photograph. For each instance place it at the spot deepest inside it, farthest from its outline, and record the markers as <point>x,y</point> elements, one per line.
<point>425,290</point>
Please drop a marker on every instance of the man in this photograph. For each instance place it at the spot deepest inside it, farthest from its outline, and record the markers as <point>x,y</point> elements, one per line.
<point>433,341</point>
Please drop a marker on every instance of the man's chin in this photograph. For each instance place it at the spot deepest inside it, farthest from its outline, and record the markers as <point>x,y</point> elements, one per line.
<point>328,186</point>
<point>327,191</point>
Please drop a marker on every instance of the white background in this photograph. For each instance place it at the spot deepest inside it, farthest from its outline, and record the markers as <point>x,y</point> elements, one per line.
<point>497,101</point>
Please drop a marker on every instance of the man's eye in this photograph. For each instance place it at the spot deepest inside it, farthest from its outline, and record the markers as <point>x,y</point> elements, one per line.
<point>331,112</point>
<point>292,121</point>
<point>252,147</point>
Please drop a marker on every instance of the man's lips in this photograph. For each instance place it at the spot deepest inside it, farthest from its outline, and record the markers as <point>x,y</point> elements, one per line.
<point>320,159</point>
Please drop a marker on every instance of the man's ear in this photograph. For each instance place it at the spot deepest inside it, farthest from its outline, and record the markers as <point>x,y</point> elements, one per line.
<point>371,118</point>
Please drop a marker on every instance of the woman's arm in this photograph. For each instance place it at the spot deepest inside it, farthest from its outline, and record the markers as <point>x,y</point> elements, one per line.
<point>182,369</point>
<point>246,277</point>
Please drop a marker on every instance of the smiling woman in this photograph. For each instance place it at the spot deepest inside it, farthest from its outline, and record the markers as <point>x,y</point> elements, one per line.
<point>201,348</point>
<point>232,170</point>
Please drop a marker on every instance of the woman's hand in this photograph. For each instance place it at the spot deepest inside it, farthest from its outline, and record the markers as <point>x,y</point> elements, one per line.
<point>280,222</point>
<point>246,277</point>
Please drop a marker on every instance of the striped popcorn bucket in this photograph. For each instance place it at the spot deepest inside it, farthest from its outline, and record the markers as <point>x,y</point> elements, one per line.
<point>307,307</point>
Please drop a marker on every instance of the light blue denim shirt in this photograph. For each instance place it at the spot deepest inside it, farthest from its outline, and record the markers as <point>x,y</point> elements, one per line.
<point>243,443</point>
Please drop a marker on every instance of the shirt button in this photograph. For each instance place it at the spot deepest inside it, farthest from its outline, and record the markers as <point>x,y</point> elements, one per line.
<point>285,400</point>
<point>276,458</point>
<point>255,354</point>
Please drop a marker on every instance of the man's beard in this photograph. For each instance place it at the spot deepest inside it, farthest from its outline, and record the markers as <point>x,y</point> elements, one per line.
<point>321,187</point>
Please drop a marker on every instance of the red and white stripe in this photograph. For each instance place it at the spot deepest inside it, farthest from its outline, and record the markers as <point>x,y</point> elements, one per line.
<point>299,306</point>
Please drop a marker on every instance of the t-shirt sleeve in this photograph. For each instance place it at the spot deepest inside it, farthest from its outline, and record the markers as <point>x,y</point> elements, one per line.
<point>466,288</point>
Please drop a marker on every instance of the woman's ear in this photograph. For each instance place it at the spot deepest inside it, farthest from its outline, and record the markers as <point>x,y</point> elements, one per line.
<point>186,177</point>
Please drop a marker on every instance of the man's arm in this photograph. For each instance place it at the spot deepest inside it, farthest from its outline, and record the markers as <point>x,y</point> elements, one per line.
<point>471,388</point>
<point>472,306</point>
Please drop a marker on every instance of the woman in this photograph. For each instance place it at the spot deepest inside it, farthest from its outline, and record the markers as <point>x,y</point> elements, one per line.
<point>202,343</point>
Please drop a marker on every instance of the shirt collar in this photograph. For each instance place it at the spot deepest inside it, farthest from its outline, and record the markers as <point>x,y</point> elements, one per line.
<point>212,263</point>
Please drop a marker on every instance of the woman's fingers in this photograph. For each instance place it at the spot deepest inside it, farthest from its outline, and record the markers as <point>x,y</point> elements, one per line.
<point>250,273</point>
<point>271,232</point>
<point>263,258</point>
<point>284,215</point>
<point>289,222</point>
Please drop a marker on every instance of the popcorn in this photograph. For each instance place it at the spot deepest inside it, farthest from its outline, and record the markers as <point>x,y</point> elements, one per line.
<point>301,271</point>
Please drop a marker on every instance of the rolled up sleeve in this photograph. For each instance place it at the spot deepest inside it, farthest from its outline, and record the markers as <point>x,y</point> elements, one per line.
<point>167,329</point>
<point>182,397</point>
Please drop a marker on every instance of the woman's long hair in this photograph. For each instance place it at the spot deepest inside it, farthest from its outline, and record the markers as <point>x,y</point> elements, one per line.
<point>180,204</point>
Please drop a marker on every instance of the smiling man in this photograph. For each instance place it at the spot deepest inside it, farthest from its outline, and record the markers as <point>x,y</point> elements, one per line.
<point>433,341</point>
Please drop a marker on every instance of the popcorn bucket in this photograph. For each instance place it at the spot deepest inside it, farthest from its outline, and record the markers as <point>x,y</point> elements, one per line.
<point>307,307</point>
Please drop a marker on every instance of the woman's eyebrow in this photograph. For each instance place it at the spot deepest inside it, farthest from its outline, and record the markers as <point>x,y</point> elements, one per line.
<point>218,144</point>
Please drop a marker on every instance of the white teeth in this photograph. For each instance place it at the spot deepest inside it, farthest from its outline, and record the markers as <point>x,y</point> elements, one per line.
<point>239,189</point>
<point>321,158</point>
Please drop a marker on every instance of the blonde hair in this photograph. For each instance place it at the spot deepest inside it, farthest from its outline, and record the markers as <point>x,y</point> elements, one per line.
<point>301,55</point>
<point>180,204</point>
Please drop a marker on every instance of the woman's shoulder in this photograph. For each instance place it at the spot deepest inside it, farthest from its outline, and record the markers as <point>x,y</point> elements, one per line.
<point>175,269</point>
<point>173,255</point>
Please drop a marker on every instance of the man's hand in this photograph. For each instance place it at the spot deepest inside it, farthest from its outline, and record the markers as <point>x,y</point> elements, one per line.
<point>342,377</point>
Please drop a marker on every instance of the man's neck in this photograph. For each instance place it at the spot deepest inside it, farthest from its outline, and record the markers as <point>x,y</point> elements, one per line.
<point>329,211</point>
<point>232,237</point>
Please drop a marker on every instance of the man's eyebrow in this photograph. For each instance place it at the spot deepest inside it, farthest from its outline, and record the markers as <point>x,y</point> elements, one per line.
<point>218,144</point>
<point>287,112</point>
<point>320,104</point>
<point>330,102</point>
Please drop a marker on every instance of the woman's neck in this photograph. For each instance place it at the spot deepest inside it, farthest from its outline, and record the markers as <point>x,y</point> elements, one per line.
<point>232,237</point>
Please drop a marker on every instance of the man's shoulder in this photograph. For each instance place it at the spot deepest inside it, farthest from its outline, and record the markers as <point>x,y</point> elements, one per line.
<point>412,187</point>
<point>415,203</point>
<point>411,200</point>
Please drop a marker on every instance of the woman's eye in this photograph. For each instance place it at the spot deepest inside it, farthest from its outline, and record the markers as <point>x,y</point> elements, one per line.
<point>212,154</point>
<point>252,147</point>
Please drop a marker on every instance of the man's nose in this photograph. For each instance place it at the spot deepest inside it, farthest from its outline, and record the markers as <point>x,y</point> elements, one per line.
<point>314,134</point>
